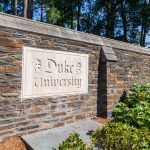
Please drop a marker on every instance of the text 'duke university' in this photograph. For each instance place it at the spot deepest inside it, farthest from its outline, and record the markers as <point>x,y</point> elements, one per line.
<point>49,72</point>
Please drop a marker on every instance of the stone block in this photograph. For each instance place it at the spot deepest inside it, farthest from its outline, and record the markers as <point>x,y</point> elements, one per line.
<point>39,115</point>
<point>110,57</point>
<point>9,42</point>
<point>107,50</point>
<point>80,116</point>
<point>57,114</point>
<point>10,69</point>
<point>27,128</point>
<point>38,102</point>
<point>57,124</point>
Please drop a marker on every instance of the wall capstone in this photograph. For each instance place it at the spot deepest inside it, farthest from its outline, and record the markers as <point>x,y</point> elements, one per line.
<point>108,54</point>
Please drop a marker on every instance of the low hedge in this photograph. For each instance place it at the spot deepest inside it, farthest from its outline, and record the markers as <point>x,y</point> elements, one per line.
<point>73,142</point>
<point>134,107</point>
<point>119,136</point>
<point>130,129</point>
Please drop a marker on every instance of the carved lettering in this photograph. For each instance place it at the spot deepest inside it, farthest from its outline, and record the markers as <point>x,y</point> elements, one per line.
<point>47,82</point>
<point>51,65</point>
<point>37,66</point>
<point>54,67</point>
<point>60,68</point>
<point>78,69</point>
<point>35,82</point>
<point>50,72</point>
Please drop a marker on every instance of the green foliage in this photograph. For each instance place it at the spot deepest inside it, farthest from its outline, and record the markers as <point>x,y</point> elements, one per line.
<point>124,20</point>
<point>135,107</point>
<point>129,129</point>
<point>54,15</point>
<point>73,142</point>
<point>119,136</point>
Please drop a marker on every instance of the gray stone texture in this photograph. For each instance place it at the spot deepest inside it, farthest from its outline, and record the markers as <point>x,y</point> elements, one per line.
<point>51,138</point>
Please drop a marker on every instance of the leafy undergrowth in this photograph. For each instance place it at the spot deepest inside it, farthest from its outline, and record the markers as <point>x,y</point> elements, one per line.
<point>120,136</point>
<point>130,129</point>
<point>73,142</point>
<point>134,108</point>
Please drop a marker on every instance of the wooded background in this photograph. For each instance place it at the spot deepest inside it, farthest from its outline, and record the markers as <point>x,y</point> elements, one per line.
<point>124,20</point>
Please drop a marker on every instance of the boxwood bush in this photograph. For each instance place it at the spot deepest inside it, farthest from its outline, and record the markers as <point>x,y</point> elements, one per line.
<point>73,142</point>
<point>130,129</point>
<point>134,109</point>
<point>119,136</point>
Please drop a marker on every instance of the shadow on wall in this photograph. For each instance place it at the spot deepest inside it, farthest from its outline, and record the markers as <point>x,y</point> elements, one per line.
<point>123,97</point>
<point>102,89</point>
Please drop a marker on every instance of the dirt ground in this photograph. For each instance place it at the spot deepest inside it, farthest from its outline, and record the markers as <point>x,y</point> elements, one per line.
<point>15,143</point>
<point>101,120</point>
<point>12,143</point>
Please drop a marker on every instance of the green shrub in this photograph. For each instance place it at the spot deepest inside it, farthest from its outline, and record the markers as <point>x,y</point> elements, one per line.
<point>73,142</point>
<point>130,129</point>
<point>119,136</point>
<point>134,109</point>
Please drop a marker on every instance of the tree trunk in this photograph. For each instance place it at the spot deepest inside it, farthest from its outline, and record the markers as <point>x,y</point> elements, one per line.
<point>42,7</point>
<point>113,5</point>
<point>15,7</point>
<point>71,14</point>
<point>123,16</point>
<point>144,25</point>
<point>112,25</point>
<point>78,15</point>
<point>71,19</point>
<point>144,33</point>
<point>30,9</point>
<point>142,30</point>
<point>108,24</point>
<point>62,19</point>
<point>25,8</point>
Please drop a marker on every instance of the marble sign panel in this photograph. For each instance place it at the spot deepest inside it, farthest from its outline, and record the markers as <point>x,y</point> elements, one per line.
<point>50,72</point>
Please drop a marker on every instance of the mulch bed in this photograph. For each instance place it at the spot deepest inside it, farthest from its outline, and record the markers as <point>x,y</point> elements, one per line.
<point>101,120</point>
<point>12,143</point>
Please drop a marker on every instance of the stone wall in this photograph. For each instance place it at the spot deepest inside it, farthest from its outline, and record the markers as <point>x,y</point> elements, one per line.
<point>113,67</point>
<point>131,67</point>
<point>30,115</point>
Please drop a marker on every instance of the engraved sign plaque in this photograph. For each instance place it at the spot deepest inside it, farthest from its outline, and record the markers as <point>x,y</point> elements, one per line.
<point>51,72</point>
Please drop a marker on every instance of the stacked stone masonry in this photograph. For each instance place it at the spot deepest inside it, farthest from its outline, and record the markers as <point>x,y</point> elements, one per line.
<point>108,80</point>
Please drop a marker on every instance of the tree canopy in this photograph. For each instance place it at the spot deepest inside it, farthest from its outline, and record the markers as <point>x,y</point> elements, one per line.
<point>124,20</point>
